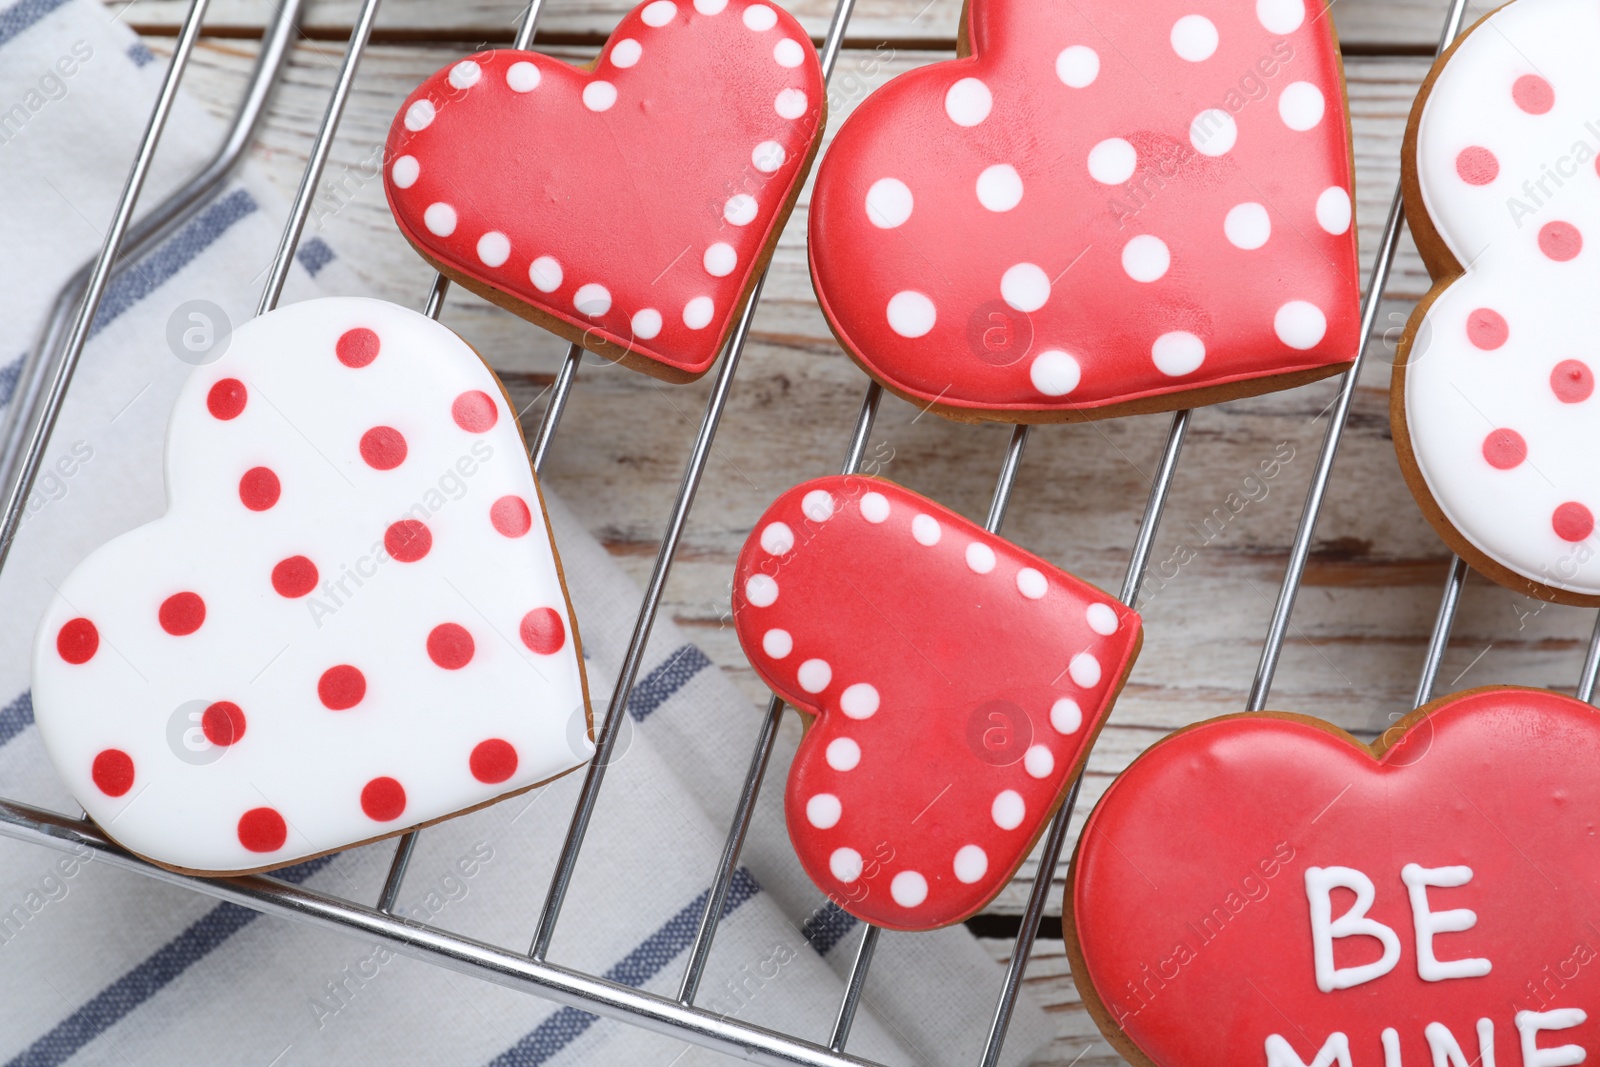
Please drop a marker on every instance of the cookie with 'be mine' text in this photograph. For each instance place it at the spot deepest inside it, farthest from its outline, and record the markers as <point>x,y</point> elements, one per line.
<point>351,620</point>
<point>952,686</point>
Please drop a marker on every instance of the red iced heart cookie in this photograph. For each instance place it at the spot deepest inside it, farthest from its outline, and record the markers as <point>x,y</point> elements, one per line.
<point>629,207</point>
<point>1106,207</point>
<point>957,684</point>
<point>1262,889</point>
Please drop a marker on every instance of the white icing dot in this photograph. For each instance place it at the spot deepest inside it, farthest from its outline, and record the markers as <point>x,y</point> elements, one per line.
<point>1008,810</point>
<point>419,115</point>
<point>791,103</point>
<point>1039,762</point>
<point>925,528</point>
<point>697,313</point>
<point>888,203</point>
<point>843,754</point>
<point>522,77</point>
<point>659,13</point>
<point>1301,106</point>
<point>1213,132</point>
<point>599,95</point>
<point>440,219</point>
<point>845,863</point>
<point>1065,716</point>
<point>968,102</point>
<point>647,324</point>
<point>1178,353</point>
<point>814,675</point>
<point>1247,226</point>
<point>1032,584</point>
<point>908,888</point>
<point>545,274</point>
<point>859,701</point>
<point>1112,161</point>
<point>817,505</point>
<point>1054,373</point>
<point>971,864</point>
<point>1078,66</point>
<point>1102,619</point>
<point>626,52</point>
<point>1085,670</point>
<point>1281,16</point>
<point>1333,210</point>
<point>405,172</point>
<point>980,557</point>
<point>760,17</point>
<point>465,74</point>
<point>761,590</point>
<point>823,811</point>
<point>911,314</point>
<point>1025,287</point>
<point>768,156</point>
<point>1300,325</point>
<point>592,300</point>
<point>777,538</point>
<point>740,209</point>
<point>494,248</point>
<point>720,259</point>
<point>710,7</point>
<point>788,53</point>
<point>1146,258</point>
<point>1000,187</point>
<point>874,507</point>
<point>1194,37</point>
<point>777,643</point>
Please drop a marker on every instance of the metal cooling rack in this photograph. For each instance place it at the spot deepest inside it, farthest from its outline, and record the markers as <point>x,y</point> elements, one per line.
<point>47,375</point>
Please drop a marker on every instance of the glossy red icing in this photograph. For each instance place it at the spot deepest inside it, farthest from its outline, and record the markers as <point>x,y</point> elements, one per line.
<point>956,682</point>
<point>1106,202</point>
<point>632,203</point>
<point>1192,913</point>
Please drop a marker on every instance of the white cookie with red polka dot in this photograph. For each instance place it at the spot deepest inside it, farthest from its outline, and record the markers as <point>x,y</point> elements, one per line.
<point>1494,410</point>
<point>350,621</point>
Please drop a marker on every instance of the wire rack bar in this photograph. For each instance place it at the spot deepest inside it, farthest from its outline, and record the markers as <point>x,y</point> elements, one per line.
<point>1439,639</point>
<point>854,988</point>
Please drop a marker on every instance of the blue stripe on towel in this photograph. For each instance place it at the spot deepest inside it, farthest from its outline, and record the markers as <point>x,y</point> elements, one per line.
<point>18,17</point>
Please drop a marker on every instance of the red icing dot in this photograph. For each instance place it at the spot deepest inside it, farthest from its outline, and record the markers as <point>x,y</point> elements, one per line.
<point>294,577</point>
<point>543,631</point>
<point>1560,241</point>
<point>223,722</point>
<point>341,687</point>
<point>408,540</point>
<point>474,411</point>
<point>1487,329</point>
<point>113,772</point>
<point>227,398</point>
<point>262,830</point>
<point>77,641</point>
<point>493,761</point>
<point>259,489</point>
<point>1533,94</point>
<point>182,613</point>
<point>357,347</point>
<point>1572,381</point>
<point>510,516</point>
<point>1572,521</point>
<point>450,646</point>
<point>1504,449</point>
<point>383,448</point>
<point>1477,165</point>
<point>383,799</point>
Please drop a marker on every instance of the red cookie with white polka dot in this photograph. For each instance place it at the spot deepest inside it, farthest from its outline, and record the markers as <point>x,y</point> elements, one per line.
<point>1493,403</point>
<point>1104,208</point>
<point>952,686</point>
<point>629,206</point>
<point>351,621</point>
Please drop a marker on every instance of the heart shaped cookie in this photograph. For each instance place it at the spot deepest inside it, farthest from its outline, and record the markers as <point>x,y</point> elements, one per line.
<point>350,621</point>
<point>953,685</point>
<point>1104,208</point>
<point>1268,889</point>
<point>629,207</point>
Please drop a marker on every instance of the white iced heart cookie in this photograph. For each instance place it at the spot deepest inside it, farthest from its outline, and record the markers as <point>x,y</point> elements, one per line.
<point>1494,410</point>
<point>350,621</point>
